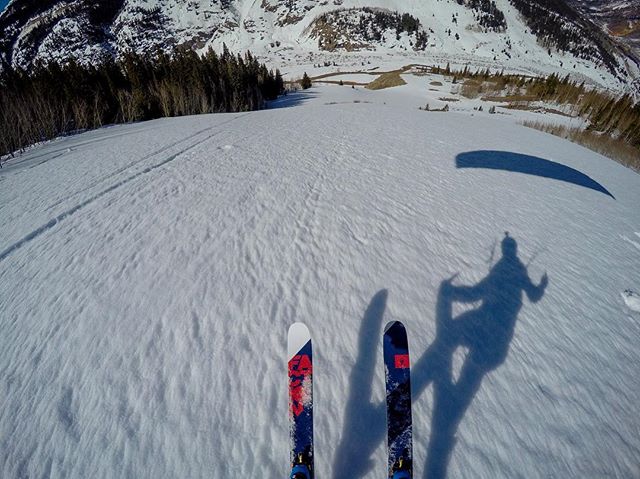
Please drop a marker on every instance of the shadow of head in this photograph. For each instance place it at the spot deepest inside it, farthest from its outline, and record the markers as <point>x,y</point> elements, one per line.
<point>509,247</point>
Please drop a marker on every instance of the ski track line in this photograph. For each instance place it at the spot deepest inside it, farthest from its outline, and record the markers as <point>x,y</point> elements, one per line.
<point>242,187</point>
<point>307,242</point>
<point>304,218</point>
<point>259,194</point>
<point>125,168</point>
<point>68,149</point>
<point>301,220</point>
<point>230,233</point>
<point>247,197</point>
<point>42,229</point>
<point>305,225</point>
<point>630,241</point>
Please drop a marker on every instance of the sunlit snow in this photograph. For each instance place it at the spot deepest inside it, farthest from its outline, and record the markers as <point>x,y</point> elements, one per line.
<point>149,273</point>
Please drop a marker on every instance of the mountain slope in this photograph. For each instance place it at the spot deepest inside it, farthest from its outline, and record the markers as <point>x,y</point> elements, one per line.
<point>505,33</point>
<point>620,18</point>
<point>149,273</point>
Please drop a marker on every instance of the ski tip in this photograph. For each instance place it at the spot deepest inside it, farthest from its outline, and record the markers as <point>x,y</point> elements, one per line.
<point>393,324</point>
<point>298,336</point>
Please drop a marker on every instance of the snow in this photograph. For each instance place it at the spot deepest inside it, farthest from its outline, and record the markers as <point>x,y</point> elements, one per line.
<point>280,33</point>
<point>632,300</point>
<point>438,91</point>
<point>150,272</point>
<point>298,50</point>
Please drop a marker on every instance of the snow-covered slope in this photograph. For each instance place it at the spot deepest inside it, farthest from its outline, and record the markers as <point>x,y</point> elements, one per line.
<point>480,33</point>
<point>149,274</point>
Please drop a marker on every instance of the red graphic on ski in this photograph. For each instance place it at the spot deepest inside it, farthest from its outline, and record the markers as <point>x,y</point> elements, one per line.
<point>299,368</point>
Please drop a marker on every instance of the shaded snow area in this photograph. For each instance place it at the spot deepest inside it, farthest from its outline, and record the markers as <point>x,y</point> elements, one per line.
<point>149,274</point>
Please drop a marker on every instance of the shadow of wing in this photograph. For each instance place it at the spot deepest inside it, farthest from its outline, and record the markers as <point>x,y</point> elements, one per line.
<point>528,165</point>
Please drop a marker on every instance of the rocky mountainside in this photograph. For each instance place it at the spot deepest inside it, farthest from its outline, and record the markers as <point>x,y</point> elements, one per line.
<point>538,36</point>
<point>620,18</point>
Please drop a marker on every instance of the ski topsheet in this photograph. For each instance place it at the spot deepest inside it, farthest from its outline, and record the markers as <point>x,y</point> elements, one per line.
<point>300,401</point>
<point>398,385</point>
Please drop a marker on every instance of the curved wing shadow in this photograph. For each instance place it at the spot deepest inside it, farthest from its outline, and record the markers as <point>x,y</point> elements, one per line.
<point>529,165</point>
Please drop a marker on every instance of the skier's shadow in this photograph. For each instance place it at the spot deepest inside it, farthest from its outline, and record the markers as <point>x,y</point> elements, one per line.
<point>365,421</point>
<point>485,332</point>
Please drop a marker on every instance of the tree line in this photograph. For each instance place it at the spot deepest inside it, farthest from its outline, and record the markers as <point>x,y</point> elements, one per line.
<point>557,25</point>
<point>487,14</point>
<point>55,99</point>
<point>615,116</point>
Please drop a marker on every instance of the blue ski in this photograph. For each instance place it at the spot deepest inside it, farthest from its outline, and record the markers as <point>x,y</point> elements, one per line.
<point>300,401</point>
<point>398,385</point>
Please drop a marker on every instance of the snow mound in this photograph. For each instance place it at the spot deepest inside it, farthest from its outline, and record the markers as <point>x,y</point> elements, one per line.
<point>632,300</point>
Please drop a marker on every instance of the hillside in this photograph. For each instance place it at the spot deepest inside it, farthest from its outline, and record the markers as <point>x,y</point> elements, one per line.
<point>150,271</point>
<point>538,37</point>
<point>620,18</point>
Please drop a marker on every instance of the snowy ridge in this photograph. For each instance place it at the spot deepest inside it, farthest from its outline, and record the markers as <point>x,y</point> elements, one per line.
<point>144,327</point>
<point>282,32</point>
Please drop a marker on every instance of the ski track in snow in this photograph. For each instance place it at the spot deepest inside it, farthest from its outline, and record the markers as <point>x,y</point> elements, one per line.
<point>150,273</point>
<point>50,224</point>
<point>632,242</point>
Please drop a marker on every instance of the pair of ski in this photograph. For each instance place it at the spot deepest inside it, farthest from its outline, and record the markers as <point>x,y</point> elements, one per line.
<point>398,387</point>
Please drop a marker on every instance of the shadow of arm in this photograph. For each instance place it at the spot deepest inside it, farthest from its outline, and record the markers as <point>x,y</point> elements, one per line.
<point>534,293</point>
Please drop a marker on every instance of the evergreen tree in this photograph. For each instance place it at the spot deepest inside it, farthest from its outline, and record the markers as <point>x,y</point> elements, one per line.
<point>58,98</point>
<point>305,82</point>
